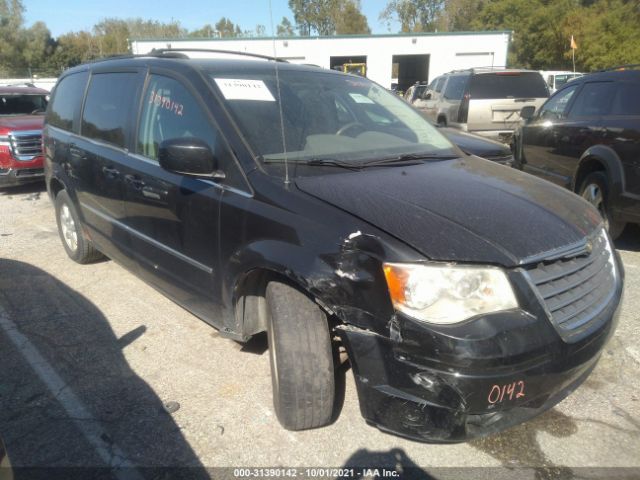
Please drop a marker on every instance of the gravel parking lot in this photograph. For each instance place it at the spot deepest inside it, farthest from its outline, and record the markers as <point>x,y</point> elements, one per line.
<point>98,369</point>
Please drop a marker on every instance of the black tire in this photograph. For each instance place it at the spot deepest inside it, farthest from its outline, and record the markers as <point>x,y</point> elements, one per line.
<point>595,190</point>
<point>442,122</point>
<point>302,369</point>
<point>67,218</point>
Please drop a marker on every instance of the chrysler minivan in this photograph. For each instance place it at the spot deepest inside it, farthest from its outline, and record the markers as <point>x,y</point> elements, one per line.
<point>269,197</point>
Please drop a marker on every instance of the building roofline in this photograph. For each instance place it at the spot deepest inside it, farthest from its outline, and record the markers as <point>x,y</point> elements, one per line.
<point>319,37</point>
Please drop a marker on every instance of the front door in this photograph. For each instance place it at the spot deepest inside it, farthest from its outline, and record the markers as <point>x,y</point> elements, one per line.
<point>174,218</point>
<point>543,138</point>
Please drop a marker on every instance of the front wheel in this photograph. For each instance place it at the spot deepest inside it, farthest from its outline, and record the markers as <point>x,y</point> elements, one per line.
<point>595,190</point>
<point>302,370</point>
<point>77,246</point>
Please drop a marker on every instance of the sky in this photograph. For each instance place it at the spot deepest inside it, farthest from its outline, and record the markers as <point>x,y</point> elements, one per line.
<point>62,16</point>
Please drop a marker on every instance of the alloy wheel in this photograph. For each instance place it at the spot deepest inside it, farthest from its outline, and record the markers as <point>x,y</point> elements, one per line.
<point>69,229</point>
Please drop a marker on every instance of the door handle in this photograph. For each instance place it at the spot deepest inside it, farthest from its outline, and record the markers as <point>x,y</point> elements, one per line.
<point>75,151</point>
<point>135,181</point>
<point>110,172</point>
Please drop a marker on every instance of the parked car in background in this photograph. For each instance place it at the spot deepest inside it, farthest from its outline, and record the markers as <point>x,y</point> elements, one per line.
<point>473,144</point>
<point>586,137</point>
<point>557,79</point>
<point>22,111</point>
<point>323,210</point>
<point>485,101</point>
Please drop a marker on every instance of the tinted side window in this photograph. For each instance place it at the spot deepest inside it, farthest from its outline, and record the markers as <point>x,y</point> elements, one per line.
<point>170,111</point>
<point>110,101</point>
<point>627,99</point>
<point>66,101</point>
<point>455,87</point>
<point>556,106</point>
<point>439,84</point>
<point>594,99</point>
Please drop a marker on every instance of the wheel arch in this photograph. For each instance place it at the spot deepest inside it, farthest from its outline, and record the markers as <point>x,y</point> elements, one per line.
<point>600,158</point>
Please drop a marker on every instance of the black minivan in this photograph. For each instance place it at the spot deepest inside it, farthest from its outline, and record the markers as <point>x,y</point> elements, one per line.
<point>266,196</point>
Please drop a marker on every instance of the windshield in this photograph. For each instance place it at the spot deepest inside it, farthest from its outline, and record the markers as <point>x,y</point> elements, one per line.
<point>325,116</point>
<point>22,104</point>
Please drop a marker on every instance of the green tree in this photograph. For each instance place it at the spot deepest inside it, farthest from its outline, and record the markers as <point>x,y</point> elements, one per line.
<point>607,34</point>
<point>350,20</point>
<point>285,28</point>
<point>226,28</point>
<point>37,47</point>
<point>414,15</point>
<point>326,17</point>
<point>207,31</point>
<point>112,36</point>
<point>11,39</point>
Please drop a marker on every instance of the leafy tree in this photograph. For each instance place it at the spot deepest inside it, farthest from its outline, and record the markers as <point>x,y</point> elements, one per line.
<point>414,15</point>
<point>285,28</point>
<point>11,41</point>
<point>350,20</point>
<point>207,31</point>
<point>226,28</point>
<point>326,17</point>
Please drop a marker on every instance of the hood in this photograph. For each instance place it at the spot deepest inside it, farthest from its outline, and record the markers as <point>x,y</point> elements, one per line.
<point>475,144</point>
<point>21,122</point>
<point>464,210</point>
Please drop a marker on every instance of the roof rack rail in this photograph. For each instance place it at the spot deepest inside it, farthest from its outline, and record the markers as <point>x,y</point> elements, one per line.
<point>178,53</point>
<point>630,66</point>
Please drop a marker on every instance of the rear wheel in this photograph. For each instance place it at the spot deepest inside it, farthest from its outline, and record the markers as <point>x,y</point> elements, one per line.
<point>302,370</point>
<point>77,246</point>
<point>595,190</point>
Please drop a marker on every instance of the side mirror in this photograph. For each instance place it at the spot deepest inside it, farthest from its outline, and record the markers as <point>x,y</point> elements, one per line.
<point>188,156</point>
<point>527,112</point>
<point>426,96</point>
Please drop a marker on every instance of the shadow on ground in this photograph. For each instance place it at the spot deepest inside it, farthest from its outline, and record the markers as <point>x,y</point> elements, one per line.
<point>26,189</point>
<point>519,447</point>
<point>102,406</point>
<point>630,239</point>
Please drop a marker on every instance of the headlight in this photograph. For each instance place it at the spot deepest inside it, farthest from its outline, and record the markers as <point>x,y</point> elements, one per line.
<point>446,294</point>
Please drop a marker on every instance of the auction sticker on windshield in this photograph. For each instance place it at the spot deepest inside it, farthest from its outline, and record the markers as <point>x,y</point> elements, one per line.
<point>239,89</point>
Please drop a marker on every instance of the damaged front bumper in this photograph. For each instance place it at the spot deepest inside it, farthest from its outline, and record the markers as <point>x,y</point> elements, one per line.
<point>455,384</point>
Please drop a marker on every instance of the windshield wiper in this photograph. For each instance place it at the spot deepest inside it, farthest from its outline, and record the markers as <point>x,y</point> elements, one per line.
<point>409,159</point>
<point>317,162</point>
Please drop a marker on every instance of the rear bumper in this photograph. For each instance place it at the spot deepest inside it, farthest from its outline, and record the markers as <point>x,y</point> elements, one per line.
<point>462,396</point>
<point>11,177</point>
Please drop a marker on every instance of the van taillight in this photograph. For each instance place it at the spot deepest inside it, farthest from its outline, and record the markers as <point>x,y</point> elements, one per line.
<point>463,111</point>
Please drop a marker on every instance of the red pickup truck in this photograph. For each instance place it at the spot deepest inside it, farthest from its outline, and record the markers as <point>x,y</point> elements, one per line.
<point>22,111</point>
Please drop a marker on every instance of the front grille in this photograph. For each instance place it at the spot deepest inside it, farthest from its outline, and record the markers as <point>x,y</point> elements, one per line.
<point>26,145</point>
<point>576,290</point>
<point>29,172</point>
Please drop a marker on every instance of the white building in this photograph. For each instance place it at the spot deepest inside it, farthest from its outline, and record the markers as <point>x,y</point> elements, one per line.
<point>418,56</point>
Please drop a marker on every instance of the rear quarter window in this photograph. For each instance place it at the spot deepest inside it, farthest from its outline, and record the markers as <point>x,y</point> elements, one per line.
<point>627,99</point>
<point>508,85</point>
<point>111,98</point>
<point>593,100</point>
<point>64,109</point>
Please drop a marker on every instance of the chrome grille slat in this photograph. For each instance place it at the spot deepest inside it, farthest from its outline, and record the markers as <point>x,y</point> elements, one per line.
<point>26,145</point>
<point>576,290</point>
